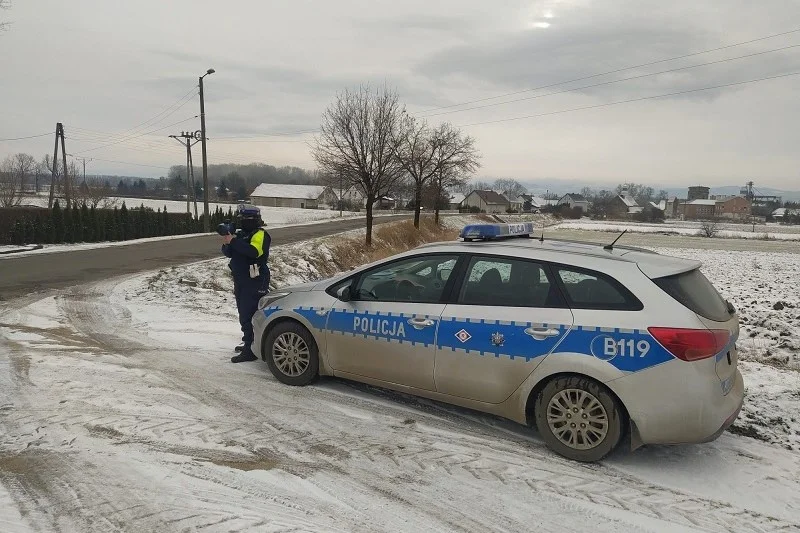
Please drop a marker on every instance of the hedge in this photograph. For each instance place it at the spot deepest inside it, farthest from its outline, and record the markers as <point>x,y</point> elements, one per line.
<point>31,225</point>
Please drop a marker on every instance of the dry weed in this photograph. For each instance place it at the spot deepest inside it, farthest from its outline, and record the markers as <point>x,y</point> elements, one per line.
<point>389,239</point>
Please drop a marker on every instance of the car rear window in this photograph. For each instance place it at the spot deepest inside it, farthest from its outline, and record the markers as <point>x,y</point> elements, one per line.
<point>693,290</point>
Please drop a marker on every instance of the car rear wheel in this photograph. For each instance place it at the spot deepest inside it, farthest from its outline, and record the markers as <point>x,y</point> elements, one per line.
<point>291,354</point>
<point>578,418</point>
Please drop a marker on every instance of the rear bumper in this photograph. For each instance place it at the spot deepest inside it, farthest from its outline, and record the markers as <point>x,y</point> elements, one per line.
<point>673,406</point>
<point>732,418</point>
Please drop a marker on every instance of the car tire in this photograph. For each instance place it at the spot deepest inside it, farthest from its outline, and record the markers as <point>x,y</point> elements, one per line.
<point>579,418</point>
<point>291,354</point>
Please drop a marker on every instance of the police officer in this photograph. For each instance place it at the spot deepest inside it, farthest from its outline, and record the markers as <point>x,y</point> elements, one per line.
<point>248,250</point>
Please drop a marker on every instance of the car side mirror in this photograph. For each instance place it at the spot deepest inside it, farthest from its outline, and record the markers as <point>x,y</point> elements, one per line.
<point>343,294</point>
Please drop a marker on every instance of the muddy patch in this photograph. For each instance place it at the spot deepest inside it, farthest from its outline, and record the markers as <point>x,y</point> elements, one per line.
<point>328,450</point>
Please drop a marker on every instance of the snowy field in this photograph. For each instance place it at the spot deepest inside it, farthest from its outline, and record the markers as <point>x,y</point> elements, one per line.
<point>725,231</point>
<point>271,215</point>
<point>120,411</point>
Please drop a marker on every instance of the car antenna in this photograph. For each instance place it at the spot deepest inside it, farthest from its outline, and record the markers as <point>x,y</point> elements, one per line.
<point>611,246</point>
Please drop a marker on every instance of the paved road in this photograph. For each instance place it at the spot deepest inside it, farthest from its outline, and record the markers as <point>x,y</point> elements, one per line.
<point>30,273</point>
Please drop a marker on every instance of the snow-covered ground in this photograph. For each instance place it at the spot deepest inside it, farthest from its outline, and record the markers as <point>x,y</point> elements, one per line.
<point>271,215</point>
<point>119,411</point>
<point>725,231</point>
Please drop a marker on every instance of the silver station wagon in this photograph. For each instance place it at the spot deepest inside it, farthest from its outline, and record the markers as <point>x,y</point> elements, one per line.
<point>595,345</point>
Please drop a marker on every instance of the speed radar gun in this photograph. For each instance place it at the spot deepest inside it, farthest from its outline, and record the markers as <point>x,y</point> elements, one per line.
<point>243,212</point>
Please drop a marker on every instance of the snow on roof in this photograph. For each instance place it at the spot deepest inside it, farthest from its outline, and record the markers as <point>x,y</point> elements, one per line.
<point>457,198</point>
<point>703,202</point>
<point>538,201</point>
<point>780,212</point>
<point>628,200</point>
<point>282,190</point>
<point>575,197</point>
<point>662,205</point>
<point>635,209</point>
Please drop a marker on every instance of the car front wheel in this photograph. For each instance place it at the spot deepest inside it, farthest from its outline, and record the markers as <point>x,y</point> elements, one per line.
<point>578,418</point>
<point>291,354</point>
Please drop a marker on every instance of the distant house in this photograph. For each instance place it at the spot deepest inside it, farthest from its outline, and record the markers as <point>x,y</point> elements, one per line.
<point>538,203</point>
<point>385,202</point>
<point>784,213</point>
<point>283,195</point>
<point>454,202</point>
<point>516,204</point>
<point>700,209</point>
<point>734,207</point>
<point>624,205</point>
<point>354,196</point>
<point>671,207</point>
<point>574,200</point>
<point>489,201</point>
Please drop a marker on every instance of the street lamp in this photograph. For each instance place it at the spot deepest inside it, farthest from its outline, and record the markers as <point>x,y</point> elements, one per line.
<point>206,221</point>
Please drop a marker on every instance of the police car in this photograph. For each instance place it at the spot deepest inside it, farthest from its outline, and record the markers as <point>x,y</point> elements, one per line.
<point>595,345</point>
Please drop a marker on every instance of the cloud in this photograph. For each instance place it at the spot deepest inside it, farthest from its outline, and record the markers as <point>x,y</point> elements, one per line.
<point>605,39</point>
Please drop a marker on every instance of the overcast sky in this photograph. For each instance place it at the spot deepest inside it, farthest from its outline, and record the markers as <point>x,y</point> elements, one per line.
<point>103,67</point>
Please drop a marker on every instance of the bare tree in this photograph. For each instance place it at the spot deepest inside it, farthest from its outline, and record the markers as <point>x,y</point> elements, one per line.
<point>4,4</point>
<point>357,142</point>
<point>510,187</point>
<point>95,192</point>
<point>13,171</point>
<point>480,185</point>
<point>417,154</point>
<point>456,160</point>
<point>709,228</point>
<point>588,193</point>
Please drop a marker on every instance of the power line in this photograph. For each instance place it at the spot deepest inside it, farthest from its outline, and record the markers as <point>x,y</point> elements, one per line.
<point>665,60</point>
<point>148,121</point>
<point>130,163</point>
<point>280,134</point>
<point>611,82</point>
<point>608,104</point>
<point>616,71</point>
<point>28,137</point>
<point>136,136</point>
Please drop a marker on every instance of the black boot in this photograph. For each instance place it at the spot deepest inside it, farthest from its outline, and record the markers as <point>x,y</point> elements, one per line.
<point>239,348</point>
<point>246,355</point>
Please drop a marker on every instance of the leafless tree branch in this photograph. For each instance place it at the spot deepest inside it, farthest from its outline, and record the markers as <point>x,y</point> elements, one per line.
<point>357,143</point>
<point>13,172</point>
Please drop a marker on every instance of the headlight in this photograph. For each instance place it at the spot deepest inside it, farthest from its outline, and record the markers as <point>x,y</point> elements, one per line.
<point>269,298</point>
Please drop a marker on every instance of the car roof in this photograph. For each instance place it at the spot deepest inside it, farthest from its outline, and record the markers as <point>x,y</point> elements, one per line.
<point>652,264</point>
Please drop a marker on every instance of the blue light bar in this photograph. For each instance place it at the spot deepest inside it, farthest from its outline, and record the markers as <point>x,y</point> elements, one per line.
<point>496,231</point>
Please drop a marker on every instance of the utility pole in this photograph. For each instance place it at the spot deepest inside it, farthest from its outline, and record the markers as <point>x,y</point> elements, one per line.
<point>54,177</point>
<point>67,184</point>
<point>341,200</point>
<point>206,221</point>
<point>185,138</point>
<point>83,160</point>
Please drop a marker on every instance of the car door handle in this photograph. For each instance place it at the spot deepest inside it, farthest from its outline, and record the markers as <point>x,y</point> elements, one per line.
<point>541,334</point>
<point>420,323</point>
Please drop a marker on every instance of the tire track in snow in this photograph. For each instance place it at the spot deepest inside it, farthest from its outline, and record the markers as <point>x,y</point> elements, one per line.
<point>447,448</point>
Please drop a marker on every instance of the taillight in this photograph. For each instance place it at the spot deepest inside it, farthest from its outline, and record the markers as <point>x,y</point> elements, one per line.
<point>691,344</point>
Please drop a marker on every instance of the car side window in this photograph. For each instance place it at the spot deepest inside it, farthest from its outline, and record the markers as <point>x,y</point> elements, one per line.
<point>509,282</point>
<point>419,279</point>
<point>587,289</point>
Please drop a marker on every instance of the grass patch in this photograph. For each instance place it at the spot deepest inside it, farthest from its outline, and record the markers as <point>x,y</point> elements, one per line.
<point>388,240</point>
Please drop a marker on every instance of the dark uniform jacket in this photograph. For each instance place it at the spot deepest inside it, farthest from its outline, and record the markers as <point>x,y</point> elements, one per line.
<point>248,249</point>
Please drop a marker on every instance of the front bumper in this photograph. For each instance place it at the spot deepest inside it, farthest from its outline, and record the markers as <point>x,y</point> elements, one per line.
<point>259,321</point>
